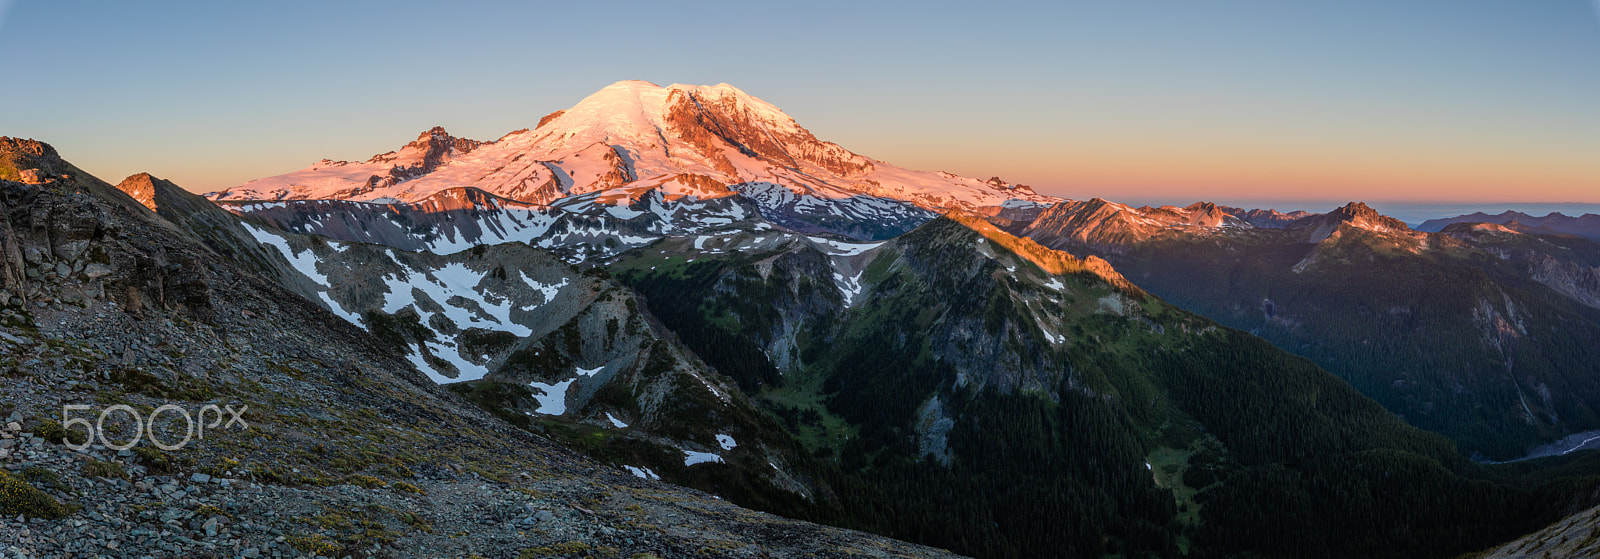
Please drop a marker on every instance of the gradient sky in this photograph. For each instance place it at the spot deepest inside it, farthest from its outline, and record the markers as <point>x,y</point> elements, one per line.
<point>1136,101</point>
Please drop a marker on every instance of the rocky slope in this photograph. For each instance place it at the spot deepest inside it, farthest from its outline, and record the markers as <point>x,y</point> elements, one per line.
<point>1472,333</point>
<point>1574,536</point>
<point>348,450</point>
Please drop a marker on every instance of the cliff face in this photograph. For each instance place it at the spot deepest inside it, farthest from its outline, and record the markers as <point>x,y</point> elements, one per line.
<point>61,231</point>
<point>1573,279</point>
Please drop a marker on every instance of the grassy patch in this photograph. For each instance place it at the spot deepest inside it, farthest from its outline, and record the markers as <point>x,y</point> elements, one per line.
<point>565,548</point>
<point>52,431</point>
<point>312,544</point>
<point>97,468</point>
<point>1168,465</point>
<point>802,407</point>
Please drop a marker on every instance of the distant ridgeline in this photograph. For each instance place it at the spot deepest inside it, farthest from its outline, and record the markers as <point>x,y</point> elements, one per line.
<point>1586,225</point>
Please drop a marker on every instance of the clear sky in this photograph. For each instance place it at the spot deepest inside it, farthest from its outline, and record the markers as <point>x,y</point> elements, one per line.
<point>1133,100</point>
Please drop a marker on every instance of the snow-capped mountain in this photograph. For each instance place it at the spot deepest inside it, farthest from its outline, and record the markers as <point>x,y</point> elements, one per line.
<point>694,142</point>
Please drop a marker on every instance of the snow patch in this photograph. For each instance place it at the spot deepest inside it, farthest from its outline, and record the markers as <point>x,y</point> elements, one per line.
<point>339,310</point>
<point>644,473</point>
<point>691,457</point>
<point>304,261</point>
<point>616,422</point>
<point>850,288</point>
<point>837,248</point>
<point>554,400</point>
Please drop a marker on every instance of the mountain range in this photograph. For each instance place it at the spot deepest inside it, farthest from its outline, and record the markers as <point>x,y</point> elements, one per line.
<point>680,284</point>
<point>1478,332</point>
<point>1586,225</point>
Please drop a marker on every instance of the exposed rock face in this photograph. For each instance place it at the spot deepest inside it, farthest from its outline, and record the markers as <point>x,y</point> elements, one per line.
<point>142,275</point>
<point>698,116</point>
<point>18,156</point>
<point>431,149</point>
<point>1575,280</point>
<point>64,233</point>
<point>142,187</point>
<point>1573,536</point>
<point>547,118</point>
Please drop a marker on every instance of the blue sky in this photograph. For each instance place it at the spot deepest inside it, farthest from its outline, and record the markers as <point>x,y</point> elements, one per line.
<point>1140,101</point>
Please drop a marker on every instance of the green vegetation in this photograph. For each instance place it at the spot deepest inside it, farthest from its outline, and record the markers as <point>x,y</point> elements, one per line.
<point>1250,450</point>
<point>368,482</point>
<point>399,330</point>
<point>158,461</point>
<point>18,497</point>
<point>178,387</point>
<point>1458,341</point>
<point>313,544</point>
<point>97,468</point>
<point>52,431</point>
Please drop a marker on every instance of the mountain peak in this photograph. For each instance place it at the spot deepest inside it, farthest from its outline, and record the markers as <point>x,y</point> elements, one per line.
<point>632,85</point>
<point>1356,207</point>
<point>142,187</point>
<point>436,133</point>
<point>1361,215</point>
<point>1354,214</point>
